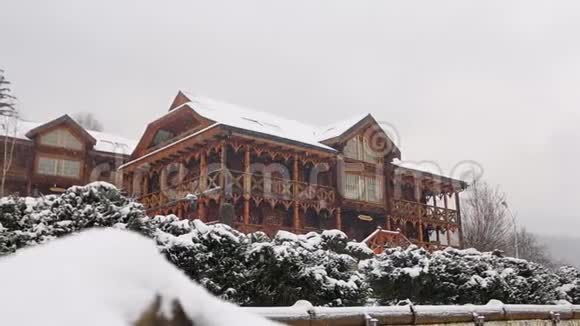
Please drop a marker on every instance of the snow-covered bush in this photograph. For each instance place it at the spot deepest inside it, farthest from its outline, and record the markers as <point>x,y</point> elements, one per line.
<point>455,276</point>
<point>569,289</point>
<point>213,255</point>
<point>323,268</point>
<point>294,267</point>
<point>30,221</point>
<point>398,274</point>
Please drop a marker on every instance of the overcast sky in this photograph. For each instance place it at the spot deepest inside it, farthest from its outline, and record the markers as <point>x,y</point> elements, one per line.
<point>496,82</point>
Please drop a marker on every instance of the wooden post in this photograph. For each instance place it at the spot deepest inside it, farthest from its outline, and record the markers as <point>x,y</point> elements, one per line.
<point>420,227</point>
<point>446,205</point>
<point>145,184</point>
<point>222,176</point>
<point>182,172</point>
<point>388,193</point>
<point>296,206</point>
<point>203,171</point>
<point>247,185</point>
<point>338,219</point>
<point>202,212</point>
<point>458,209</point>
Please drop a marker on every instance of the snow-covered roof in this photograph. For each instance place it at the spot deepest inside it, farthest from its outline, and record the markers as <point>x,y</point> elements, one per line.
<point>429,167</point>
<point>255,121</point>
<point>104,277</point>
<point>105,142</point>
<point>338,128</point>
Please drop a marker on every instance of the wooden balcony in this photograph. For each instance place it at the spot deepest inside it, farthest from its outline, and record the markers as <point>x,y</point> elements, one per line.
<point>236,184</point>
<point>409,210</point>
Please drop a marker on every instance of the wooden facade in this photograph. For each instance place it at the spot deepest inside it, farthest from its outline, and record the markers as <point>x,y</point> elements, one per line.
<point>349,180</point>
<point>48,158</point>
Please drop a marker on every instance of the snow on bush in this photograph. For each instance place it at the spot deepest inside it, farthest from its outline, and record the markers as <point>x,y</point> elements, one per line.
<point>570,284</point>
<point>455,276</point>
<point>30,221</point>
<point>324,268</point>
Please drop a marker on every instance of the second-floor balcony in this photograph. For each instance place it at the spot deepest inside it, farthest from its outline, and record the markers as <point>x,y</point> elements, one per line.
<point>236,184</point>
<point>410,210</point>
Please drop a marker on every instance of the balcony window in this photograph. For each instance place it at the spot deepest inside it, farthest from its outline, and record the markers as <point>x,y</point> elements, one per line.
<point>59,167</point>
<point>61,138</point>
<point>363,188</point>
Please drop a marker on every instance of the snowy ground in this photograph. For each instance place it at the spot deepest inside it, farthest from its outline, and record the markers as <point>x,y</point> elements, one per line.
<point>103,277</point>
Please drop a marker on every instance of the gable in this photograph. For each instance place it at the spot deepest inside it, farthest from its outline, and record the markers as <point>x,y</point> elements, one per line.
<point>62,132</point>
<point>61,137</point>
<point>365,138</point>
<point>178,123</point>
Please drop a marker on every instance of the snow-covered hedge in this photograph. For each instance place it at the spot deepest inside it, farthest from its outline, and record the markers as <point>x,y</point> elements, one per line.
<point>323,268</point>
<point>456,276</point>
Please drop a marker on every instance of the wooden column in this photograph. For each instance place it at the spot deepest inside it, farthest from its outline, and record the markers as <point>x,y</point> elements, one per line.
<point>388,193</point>
<point>458,209</point>
<point>145,184</point>
<point>201,211</point>
<point>418,201</point>
<point>247,184</point>
<point>420,227</point>
<point>296,206</point>
<point>338,219</point>
<point>182,172</point>
<point>127,184</point>
<point>203,171</point>
<point>446,205</point>
<point>222,176</point>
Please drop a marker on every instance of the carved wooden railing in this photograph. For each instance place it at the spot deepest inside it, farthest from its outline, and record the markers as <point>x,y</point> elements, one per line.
<point>177,192</point>
<point>416,211</point>
<point>279,188</point>
<point>261,185</point>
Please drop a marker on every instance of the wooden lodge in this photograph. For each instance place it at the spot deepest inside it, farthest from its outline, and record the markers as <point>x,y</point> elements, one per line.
<point>47,158</point>
<point>277,174</point>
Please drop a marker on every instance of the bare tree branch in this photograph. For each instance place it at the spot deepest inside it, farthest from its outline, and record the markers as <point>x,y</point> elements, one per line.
<point>486,226</point>
<point>88,121</point>
<point>8,129</point>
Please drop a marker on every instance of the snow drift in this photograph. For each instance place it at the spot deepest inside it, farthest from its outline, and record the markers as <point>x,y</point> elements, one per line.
<point>104,277</point>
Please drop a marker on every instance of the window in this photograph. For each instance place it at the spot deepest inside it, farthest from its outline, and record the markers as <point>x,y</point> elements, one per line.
<point>364,188</point>
<point>352,187</point>
<point>358,148</point>
<point>162,136</point>
<point>61,138</point>
<point>59,167</point>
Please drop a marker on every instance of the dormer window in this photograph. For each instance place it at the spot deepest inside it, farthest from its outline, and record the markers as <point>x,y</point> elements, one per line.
<point>61,138</point>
